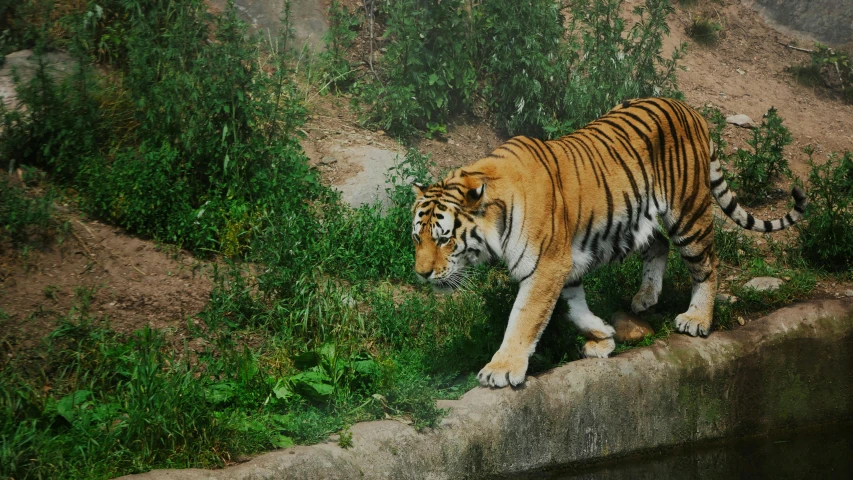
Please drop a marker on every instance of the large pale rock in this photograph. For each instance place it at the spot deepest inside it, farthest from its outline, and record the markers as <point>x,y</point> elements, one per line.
<point>630,328</point>
<point>370,183</point>
<point>307,20</point>
<point>740,120</point>
<point>764,283</point>
<point>828,21</point>
<point>24,63</point>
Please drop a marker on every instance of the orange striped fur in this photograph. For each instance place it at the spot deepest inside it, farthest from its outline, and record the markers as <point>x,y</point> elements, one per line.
<point>553,210</point>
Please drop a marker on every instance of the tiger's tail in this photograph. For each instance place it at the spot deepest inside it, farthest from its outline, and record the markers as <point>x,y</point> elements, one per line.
<point>728,202</point>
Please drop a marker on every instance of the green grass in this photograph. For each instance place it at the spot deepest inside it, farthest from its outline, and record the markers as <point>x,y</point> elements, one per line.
<point>704,31</point>
<point>23,216</point>
<point>807,75</point>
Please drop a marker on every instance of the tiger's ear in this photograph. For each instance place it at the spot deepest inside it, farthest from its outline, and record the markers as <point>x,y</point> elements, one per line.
<point>419,189</point>
<point>474,195</point>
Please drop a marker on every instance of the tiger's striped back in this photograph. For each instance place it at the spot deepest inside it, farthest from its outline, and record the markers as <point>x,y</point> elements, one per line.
<point>552,210</point>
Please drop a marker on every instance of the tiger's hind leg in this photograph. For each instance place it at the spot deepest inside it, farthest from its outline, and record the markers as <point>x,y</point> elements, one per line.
<point>654,266</point>
<point>697,250</point>
<point>599,335</point>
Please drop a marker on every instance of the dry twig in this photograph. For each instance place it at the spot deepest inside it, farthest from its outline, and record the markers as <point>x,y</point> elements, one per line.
<point>795,48</point>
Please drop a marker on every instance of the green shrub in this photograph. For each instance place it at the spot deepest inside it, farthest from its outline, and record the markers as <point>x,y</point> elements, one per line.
<point>22,215</point>
<point>704,31</point>
<point>757,170</point>
<point>610,64</point>
<point>807,75</point>
<point>826,234</point>
<point>428,72</point>
<point>524,60</point>
<point>338,73</point>
<point>540,73</point>
<point>190,119</point>
<point>830,67</point>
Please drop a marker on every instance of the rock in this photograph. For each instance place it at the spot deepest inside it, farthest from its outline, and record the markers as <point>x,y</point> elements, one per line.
<point>307,17</point>
<point>848,293</point>
<point>630,328</point>
<point>328,161</point>
<point>827,21</point>
<point>726,298</point>
<point>24,63</point>
<point>370,183</point>
<point>740,120</point>
<point>741,321</point>
<point>764,283</point>
<point>740,71</point>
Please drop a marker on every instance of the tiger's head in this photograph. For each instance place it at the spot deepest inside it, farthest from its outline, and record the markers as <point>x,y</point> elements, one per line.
<point>445,232</point>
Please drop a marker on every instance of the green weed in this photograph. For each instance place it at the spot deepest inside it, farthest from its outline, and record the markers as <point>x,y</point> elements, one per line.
<point>806,75</point>
<point>338,73</point>
<point>826,239</point>
<point>756,170</point>
<point>704,31</point>
<point>829,67</point>
<point>162,130</point>
<point>538,71</point>
<point>22,215</point>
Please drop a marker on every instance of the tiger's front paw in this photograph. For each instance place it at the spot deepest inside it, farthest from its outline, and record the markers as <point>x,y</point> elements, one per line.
<point>503,370</point>
<point>644,299</point>
<point>598,348</point>
<point>693,324</point>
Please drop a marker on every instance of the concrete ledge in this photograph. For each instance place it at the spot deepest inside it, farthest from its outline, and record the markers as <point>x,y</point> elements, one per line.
<point>789,369</point>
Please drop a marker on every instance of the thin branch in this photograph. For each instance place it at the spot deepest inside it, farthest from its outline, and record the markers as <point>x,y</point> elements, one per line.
<point>368,10</point>
<point>795,48</point>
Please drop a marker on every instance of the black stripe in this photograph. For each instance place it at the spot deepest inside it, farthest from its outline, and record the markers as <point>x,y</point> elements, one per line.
<point>509,225</point>
<point>730,208</point>
<point>512,269</point>
<point>768,226</point>
<point>750,221</point>
<point>695,238</point>
<point>535,266</point>
<point>716,183</point>
<point>789,219</point>
<point>700,256</point>
<point>587,233</point>
<point>594,248</point>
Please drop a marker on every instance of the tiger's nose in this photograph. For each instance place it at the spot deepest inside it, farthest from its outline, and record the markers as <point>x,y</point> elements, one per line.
<point>425,275</point>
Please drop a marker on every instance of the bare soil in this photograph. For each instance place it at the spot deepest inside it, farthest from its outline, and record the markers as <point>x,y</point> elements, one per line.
<point>132,282</point>
<point>137,282</point>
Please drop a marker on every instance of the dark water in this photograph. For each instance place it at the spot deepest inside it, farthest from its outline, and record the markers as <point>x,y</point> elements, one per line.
<point>826,454</point>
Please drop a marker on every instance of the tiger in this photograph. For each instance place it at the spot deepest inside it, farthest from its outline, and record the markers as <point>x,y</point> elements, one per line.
<point>553,210</point>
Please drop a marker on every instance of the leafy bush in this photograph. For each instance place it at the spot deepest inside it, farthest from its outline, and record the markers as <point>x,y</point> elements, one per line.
<point>833,68</point>
<point>112,404</point>
<point>541,73</point>
<point>190,118</point>
<point>826,236</point>
<point>338,74</point>
<point>704,31</point>
<point>429,67</point>
<point>610,64</point>
<point>757,170</point>
<point>20,214</point>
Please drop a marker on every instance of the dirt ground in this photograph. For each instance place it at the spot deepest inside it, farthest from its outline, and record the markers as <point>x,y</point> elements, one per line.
<point>132,282</point>
<point>135,282</point>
